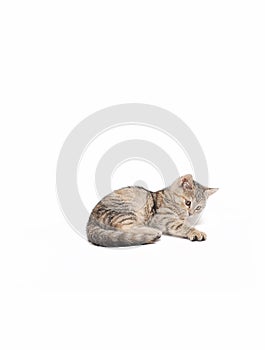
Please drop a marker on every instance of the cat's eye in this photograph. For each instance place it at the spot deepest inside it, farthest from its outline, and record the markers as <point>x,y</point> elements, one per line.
<point>188,203</point>
<point>198,208</point>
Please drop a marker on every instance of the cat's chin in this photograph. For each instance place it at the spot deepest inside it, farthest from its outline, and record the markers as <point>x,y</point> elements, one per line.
<point>194,219</point>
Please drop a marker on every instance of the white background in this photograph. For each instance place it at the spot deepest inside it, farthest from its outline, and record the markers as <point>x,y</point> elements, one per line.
<point>60,62</point>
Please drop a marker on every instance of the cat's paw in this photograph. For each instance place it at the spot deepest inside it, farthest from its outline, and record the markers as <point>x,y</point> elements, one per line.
<point>196,236</point>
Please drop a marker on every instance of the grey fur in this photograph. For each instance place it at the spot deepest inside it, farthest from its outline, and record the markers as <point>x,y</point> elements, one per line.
<point>134,216</point>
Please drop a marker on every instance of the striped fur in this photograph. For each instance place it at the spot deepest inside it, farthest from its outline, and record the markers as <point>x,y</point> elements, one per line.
<point>135,216</point>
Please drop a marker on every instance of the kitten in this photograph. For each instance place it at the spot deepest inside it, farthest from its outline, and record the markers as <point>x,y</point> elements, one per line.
<point>133,215</point>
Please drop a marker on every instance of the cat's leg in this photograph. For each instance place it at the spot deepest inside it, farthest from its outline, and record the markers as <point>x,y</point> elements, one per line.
<point>180,228</point>
<point>168,223</point>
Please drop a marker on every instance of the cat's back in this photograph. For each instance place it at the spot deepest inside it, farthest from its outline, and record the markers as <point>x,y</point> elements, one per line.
<point>134,200</point>
<point>132,197</point>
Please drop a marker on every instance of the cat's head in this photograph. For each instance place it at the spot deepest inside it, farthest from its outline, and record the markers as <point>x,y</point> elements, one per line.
<point>192,196</point>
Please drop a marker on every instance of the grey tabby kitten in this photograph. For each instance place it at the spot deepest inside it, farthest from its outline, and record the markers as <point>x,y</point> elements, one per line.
<point>133,215</point>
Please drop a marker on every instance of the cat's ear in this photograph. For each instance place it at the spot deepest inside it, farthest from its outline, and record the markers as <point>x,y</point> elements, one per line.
<point>186,182</point>
<point>210,191</point>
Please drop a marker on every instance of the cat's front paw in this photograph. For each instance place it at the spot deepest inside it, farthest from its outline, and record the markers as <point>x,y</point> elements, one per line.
<point>196,235</point>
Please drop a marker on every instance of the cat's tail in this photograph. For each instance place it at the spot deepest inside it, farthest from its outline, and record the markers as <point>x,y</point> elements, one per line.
<point>104,236</point>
